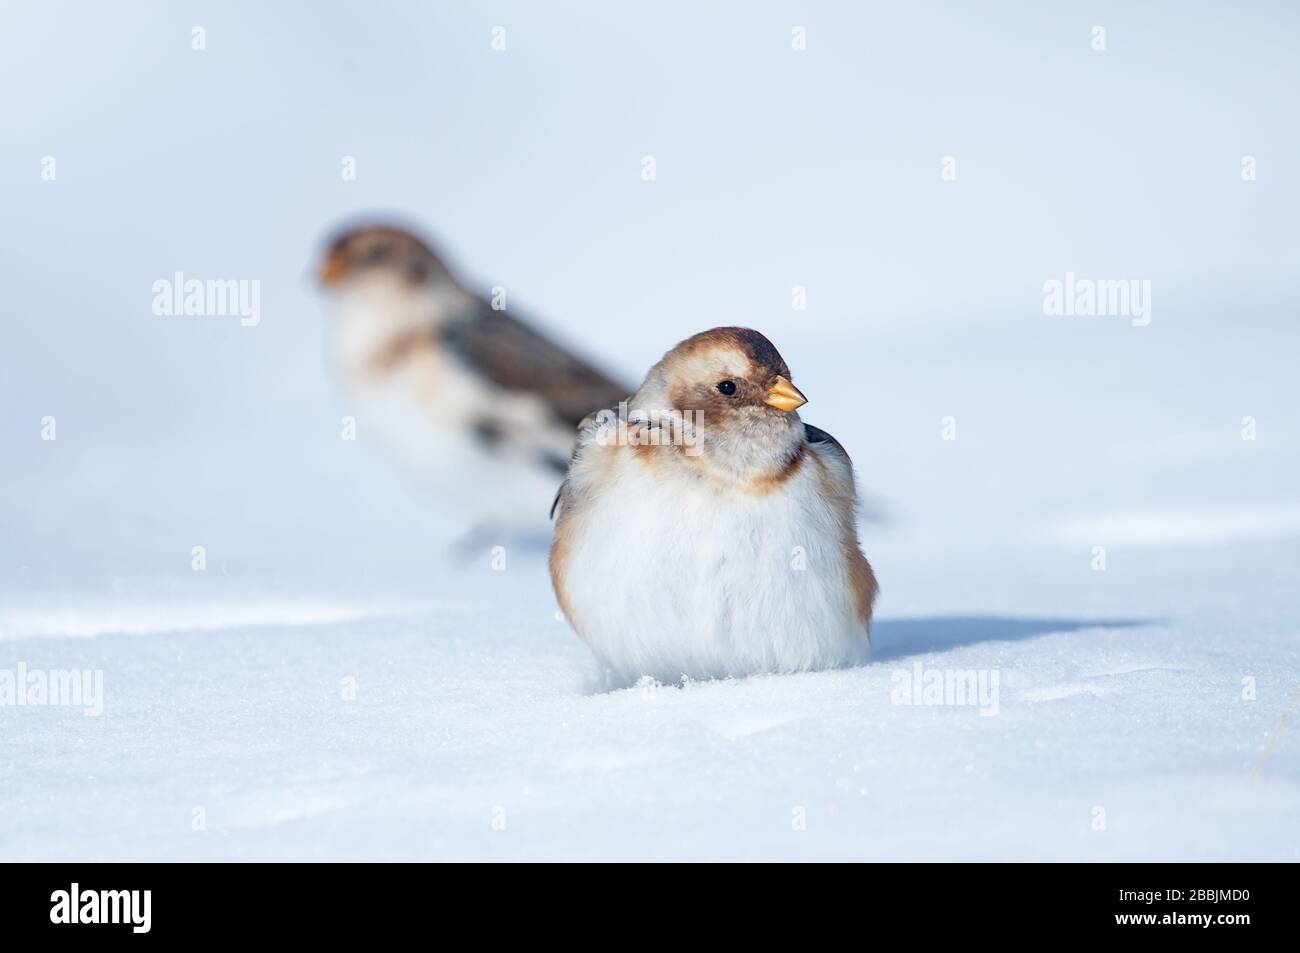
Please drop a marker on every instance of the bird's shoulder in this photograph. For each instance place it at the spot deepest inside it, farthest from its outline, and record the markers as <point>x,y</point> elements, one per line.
<point>597,438</point>
<point>824,443</point>
<point>829,450</point>
<point>603,449</point>
<point>835,472</point>
<point>514,356</point>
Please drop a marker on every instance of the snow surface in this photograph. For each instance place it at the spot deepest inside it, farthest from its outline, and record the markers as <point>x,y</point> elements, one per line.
<point>332,685</point>
<point>479,727</point>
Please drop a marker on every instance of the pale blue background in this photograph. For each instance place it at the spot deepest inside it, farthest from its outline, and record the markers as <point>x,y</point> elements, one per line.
<point>775,168</point>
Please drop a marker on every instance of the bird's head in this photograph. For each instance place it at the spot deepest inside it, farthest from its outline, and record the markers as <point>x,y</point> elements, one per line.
<point>383,253</point>
<point>735,386</point>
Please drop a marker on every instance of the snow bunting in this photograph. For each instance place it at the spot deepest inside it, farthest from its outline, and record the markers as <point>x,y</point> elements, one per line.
<point>706,531</point>
<point>480,407</point>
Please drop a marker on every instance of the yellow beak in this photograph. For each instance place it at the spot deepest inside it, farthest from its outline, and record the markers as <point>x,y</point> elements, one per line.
<point>784,396</point>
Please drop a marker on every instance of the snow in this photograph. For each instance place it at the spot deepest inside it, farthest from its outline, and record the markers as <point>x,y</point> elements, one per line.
<point>475,726</point>
<point>333,685</point>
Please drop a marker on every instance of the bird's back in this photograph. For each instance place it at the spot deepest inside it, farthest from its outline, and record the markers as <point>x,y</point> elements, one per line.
<point>479,408</point>
<point>515,357</point>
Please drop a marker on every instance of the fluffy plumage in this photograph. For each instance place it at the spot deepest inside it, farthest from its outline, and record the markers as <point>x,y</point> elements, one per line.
<point>710,532</point>
<point>480,407</point>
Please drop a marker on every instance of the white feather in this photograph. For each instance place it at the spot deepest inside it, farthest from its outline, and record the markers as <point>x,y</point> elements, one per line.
<point>672,576</point>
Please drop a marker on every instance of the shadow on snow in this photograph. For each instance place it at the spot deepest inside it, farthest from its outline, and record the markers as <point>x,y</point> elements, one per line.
<point>897,638</point>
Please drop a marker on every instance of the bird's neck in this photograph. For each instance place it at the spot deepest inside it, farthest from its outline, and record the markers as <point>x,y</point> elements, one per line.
<point>736,451</point>
<point>757,453</point>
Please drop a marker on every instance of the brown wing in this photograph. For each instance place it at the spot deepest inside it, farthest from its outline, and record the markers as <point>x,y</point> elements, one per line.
<point>862,580</point>
<point>512,355</point>
<point>872,508</point>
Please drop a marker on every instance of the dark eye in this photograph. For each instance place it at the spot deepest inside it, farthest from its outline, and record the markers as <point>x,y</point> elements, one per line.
<point>727,387</point>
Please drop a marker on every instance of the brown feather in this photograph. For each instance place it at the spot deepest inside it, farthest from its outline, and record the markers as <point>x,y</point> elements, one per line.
<point>513,356</point>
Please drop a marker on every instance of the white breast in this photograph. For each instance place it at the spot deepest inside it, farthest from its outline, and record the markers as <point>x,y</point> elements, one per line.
<point>666,578</point>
